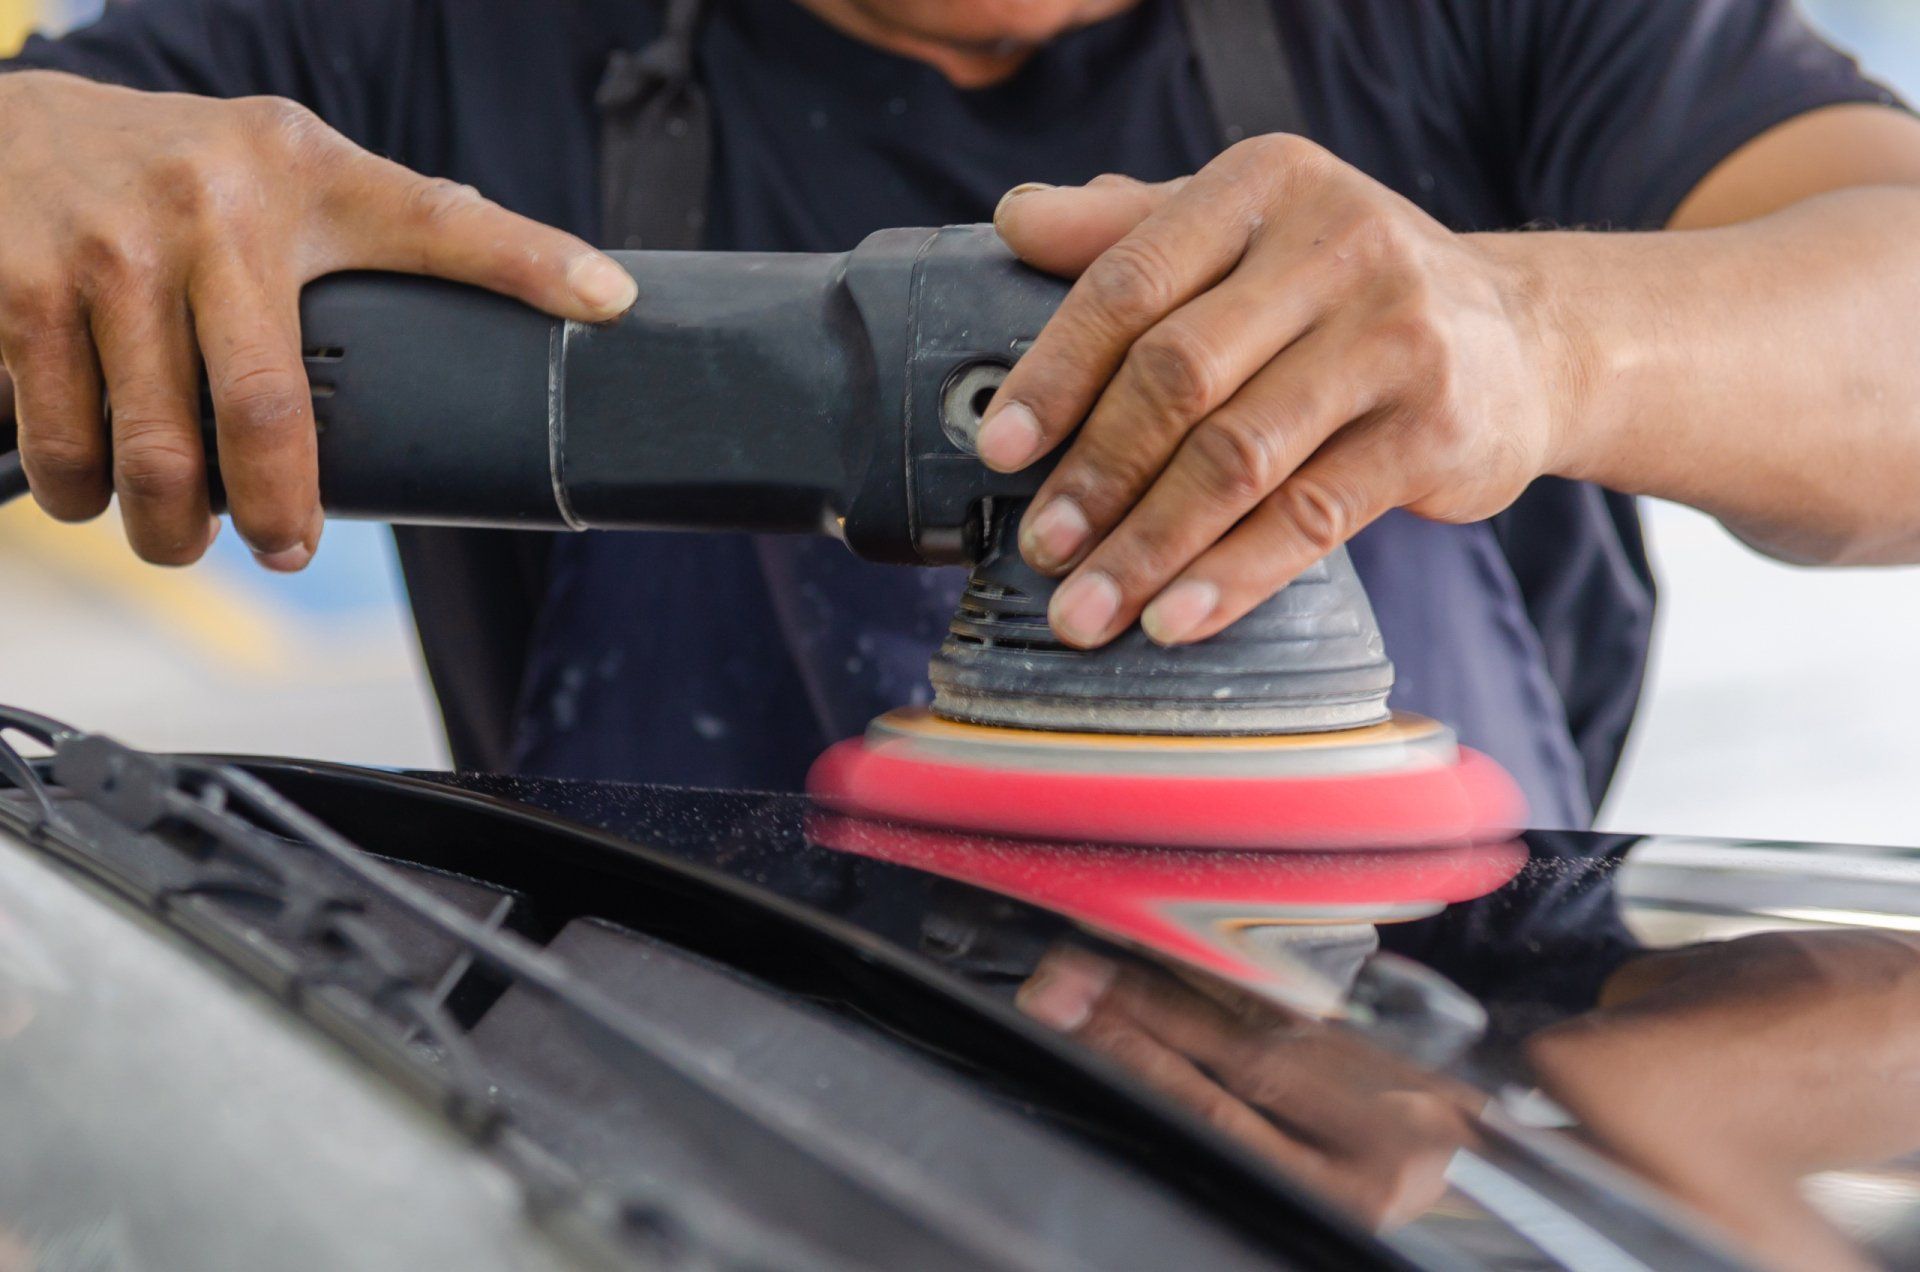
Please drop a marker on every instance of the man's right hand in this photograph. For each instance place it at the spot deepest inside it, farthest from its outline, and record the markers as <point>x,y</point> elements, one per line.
<point>148,235</point>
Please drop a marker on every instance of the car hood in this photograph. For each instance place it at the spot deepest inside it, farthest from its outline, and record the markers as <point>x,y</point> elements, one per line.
<point>1564,1050</point>
<point>1650,1013</point>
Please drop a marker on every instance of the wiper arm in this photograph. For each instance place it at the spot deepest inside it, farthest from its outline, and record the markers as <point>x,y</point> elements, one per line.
<point>14,766</point>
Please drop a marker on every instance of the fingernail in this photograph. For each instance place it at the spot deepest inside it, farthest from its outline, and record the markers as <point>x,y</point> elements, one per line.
<point>602,285</point>
<point>1025,187</point>
<point>213,530</point>
<point>1176,612</point>
<point>1083,609</point>
<point>1064,991</point>
<point>1009,439</point>
<point>1054,535</point>
<point>286,561</point>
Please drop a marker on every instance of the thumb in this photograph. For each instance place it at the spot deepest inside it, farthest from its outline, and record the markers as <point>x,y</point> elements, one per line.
<point>1063,229</point>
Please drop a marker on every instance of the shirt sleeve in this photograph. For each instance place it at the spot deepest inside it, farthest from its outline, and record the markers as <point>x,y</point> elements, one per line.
<point>331,55</point>
<point>1618,109</point>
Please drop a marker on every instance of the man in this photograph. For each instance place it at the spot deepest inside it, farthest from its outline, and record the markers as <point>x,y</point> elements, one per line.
<point>1306,340</point>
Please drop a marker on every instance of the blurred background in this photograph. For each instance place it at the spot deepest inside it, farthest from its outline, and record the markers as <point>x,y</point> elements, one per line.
<point>1783,702</point>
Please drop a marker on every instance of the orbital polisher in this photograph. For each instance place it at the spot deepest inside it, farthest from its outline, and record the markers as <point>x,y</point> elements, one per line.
<point>841,394</point>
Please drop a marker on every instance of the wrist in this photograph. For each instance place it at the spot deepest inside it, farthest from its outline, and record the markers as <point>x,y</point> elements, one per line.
<point>1575,357</point>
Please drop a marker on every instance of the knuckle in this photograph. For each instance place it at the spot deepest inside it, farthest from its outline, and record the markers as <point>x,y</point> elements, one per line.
<point>1180,372</point>
<point>1374,1197</point>
<point>1372,238</point>
<point>197,187</point>
<point>1275,150</point>
<point>1278,160</point>
<point>1429,1120</point>
<point>1418,343</point>
<point>1223,1113</point>
<point>260,398</point>
<point>68,476</point>
<point>1104,474</point>
<point>1133,280</point>
<point>61,459</point>
<point>1145,557</point>
<point>283,125</point>
<point>35,310</point>
<point>1448,432</point>
<point>183,182</point>
<point>432,202</point>
<point>156,467</point>
<point>115,258</point>
<point>1240,456</point>
<point>1262,1088</point>
<point>1323,512</point>
<point>525,272</point>
<point>1107,1033</point>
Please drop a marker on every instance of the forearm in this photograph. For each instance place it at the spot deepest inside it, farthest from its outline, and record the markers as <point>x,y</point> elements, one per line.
<point>1767,373</point>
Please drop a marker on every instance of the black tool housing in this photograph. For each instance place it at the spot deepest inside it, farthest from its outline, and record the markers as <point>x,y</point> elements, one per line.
<point>744,391</point>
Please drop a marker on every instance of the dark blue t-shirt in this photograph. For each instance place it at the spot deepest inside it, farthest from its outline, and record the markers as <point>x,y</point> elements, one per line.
<point>729,660</point>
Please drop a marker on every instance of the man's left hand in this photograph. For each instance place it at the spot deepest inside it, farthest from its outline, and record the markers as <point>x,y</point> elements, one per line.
<point>1266,357</point>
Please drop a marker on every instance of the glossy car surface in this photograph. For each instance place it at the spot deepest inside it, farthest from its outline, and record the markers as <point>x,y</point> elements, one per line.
<point>1567,1051</point>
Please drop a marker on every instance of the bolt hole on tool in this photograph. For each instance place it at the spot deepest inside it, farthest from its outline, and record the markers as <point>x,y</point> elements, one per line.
<point>841,394</point>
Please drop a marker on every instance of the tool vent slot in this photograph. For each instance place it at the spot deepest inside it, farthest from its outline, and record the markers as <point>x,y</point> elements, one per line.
<point>317,358</point>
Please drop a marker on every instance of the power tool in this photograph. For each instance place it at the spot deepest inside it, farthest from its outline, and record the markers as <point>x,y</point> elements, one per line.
<point>841,394</point>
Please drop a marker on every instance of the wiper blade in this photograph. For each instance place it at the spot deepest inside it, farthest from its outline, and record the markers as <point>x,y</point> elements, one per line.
<point>246,842</point>
<point>239,862</point>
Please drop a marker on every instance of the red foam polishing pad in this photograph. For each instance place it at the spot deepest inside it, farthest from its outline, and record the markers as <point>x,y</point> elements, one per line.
<point>1402,784</point>
<point>1192,904</point>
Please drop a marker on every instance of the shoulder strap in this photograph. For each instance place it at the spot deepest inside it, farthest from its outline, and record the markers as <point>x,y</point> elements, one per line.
<point>476,593</point>
<point>1244,67</point>
<point>656,140</point>
<point>657,129</point>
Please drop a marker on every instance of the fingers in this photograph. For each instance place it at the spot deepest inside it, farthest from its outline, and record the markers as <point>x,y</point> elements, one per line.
<point>1185,368</point>
<point>1182,247</point>
<point>1062,230</point>
<point>63,439</point>
<point>1071,985</point>
<point>1344,488</point>
<point>1223,340</point>
<point>248,328</point>
<point>1224,466</point>
<point>394,219</point>
<point>159,470</point>
<point>1104,1023</point>
<point>1066,986</point>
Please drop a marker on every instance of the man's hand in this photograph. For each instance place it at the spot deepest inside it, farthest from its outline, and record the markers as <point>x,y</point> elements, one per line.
<point>1266,357</point>
<point>1351,1122</point>
<point>1822,1028</point>
<point>149,235</point>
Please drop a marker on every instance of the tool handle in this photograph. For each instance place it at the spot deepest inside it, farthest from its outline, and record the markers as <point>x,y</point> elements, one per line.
<point>791,392</point>
<point>729,397</point>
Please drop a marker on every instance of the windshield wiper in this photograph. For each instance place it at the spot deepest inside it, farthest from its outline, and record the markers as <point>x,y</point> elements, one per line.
<point>236,843</point>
